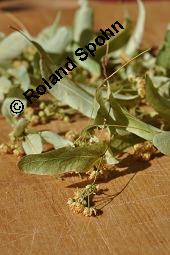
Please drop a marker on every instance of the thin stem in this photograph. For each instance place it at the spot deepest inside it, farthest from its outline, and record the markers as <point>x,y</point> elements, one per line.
<point>128,62</point>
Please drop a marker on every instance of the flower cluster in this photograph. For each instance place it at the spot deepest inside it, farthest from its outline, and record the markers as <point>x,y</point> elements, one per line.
<point>140,83</point>
<point>13,147</point>
<point>144,151</point>
<point>46,112</point>
<point>80,203</point>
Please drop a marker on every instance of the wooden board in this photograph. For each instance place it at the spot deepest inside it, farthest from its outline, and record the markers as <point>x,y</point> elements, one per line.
<point>135,219</point>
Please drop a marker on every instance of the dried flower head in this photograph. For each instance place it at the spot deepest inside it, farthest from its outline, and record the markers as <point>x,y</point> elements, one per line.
<point>80,203</point>
<point>144,151</point>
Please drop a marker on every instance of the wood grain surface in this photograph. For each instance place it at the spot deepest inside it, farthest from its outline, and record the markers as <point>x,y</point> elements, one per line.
<point>135,218</point>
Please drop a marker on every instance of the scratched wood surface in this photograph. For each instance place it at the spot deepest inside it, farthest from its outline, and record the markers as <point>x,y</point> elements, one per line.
<point>34,217</point>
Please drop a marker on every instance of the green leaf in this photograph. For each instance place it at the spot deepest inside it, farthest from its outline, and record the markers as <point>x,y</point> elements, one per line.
<point>12,46</point>
<point>56,140</point>
<point>103,112</point>
<point>131,123</point>
<point>136,38</point>
<point>63,160</point>
<point>32,144</point>
<point>65,90</point>
<point>162,142</point>
<point>47,66</point>
<point>115,43</point>
<point>71,94</point>
<point>159,103</point>
<point>83,23</point>
<point>163,58</point>
<point>162,84</point>
<point>89,64</point>
<point>126,100</point>
<point>120,143</point>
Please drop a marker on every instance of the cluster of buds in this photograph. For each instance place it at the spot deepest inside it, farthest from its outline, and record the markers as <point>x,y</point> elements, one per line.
<point>19,63</point>
<point>94,173</point>
<point>13,147</point>
<point>84,140</point>
<point>46,112</point>
<point>71,135</point>
<point>29,53</point>
<point>144,151</point>
<point>100,171</point>
<point>80,203</point>
<point>140,85</point>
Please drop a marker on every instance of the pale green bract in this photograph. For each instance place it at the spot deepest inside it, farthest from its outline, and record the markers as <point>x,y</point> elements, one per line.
<point>136,38</point>
<point>83,23</point>
<point>32,144</point>
<point>56,140</point>
<point>12,46</point>
<point>21,74</point>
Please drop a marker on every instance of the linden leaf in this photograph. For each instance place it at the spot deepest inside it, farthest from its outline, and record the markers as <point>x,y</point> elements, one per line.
<point>162,142</point>
<point>158,102</point>
<point>63,160</point>
<point>131,123</point>
<point>163,58</point>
